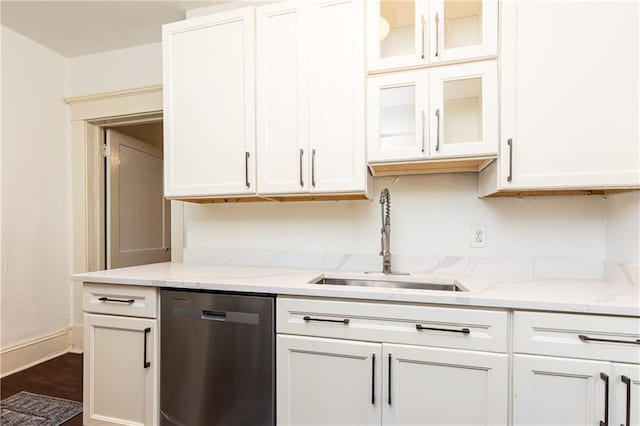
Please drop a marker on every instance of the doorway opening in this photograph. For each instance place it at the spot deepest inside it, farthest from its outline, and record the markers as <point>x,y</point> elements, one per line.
<point>136,217</point>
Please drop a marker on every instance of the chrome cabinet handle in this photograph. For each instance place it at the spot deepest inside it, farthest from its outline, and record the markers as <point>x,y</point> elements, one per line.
<point>605,422</point>
<point>301,155</point>
<point>424,130</point>
<point>246,169</point>
<point>594,339</point>
<point>342,321</point>
<point>465,330</point>
<point>437,35</point>
<point>422,25</point>
<point>438,129</point>
<point>627,381</point>
<point>108,299</point>
<point>313,167</point>
<point>510,145</point>
<point>373,379</point>
<point>146,364</point>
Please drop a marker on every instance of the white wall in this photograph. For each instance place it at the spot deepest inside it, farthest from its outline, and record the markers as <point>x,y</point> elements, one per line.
<point>131,68</point>
<point>623,228</point>
<point>431,215</point>
<point>36,217</point>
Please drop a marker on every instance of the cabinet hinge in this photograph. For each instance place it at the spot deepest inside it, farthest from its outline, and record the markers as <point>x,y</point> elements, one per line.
<point>105,150</point>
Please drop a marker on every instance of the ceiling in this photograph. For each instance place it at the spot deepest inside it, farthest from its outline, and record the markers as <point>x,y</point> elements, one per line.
<point>75,28</point>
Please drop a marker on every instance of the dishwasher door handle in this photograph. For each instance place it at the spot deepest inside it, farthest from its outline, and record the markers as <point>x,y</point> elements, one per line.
<point>214,316</point>
<point>229,316</point>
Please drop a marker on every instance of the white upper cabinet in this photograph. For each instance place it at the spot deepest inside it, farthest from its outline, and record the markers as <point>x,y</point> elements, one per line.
<point>415,33</point>
<point>464,110</point>
<point>310,97</point>
<point>462,29</point>
<point>397,126</point>
<point>569,97</point>
<point>282,98</point>
<point>396,34</point>
<point>337,96</point>
<point>208,71</point>
<point>445,112</point>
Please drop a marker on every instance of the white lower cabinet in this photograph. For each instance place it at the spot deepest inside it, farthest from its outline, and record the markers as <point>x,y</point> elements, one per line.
<point>348,373</point>
<point>120,370</point>
<point>327,381</point>
<point>565,391</point>
<point>434,386</point>
<point>625,390</point>
<point>558,391</point>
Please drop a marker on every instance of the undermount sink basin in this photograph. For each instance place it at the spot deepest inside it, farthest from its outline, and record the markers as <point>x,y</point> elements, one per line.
<point>386,283</point>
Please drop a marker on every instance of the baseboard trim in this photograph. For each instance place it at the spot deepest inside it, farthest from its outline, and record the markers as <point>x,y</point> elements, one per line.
<point>33,352</point>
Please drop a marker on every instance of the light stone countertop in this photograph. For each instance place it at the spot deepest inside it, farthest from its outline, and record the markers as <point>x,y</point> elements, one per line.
<point>620,297</point>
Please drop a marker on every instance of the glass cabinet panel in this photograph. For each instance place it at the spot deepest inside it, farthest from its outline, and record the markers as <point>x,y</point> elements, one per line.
<point>462,23</point>
<point>398,116</point>
<point>462,112</point>
<point>397,28</point>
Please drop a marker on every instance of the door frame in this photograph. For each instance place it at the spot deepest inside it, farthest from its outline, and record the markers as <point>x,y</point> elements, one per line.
<point>89,115</point>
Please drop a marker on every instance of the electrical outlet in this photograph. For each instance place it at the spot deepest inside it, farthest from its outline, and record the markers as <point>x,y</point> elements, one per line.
<point>478,236</point>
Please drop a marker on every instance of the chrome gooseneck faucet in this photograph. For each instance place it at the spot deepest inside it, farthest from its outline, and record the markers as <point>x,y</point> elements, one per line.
<point>385,250</point>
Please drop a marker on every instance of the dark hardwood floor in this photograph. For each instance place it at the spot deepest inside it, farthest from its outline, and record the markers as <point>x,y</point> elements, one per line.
<point>60,377</point>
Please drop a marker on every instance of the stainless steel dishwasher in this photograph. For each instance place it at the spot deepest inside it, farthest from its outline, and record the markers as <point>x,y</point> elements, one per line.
<point>217,354</point>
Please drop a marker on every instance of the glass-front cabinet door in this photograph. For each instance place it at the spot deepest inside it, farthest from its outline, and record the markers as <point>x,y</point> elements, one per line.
<point>462,29</point>
<point>397,124</point>
<point>463,112</point>
<point>397,33</point>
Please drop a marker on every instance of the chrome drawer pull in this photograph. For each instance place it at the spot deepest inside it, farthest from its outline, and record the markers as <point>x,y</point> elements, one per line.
<point>343,321</point>
<point>108,299</point>
<point>593,339</point>
<point>462,330</point>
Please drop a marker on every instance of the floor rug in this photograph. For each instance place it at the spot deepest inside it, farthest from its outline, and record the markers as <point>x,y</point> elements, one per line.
<point>30,409</point>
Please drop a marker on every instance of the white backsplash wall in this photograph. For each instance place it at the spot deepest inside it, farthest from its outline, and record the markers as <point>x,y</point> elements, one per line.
<point>623,227</point>
<point>431,216</point>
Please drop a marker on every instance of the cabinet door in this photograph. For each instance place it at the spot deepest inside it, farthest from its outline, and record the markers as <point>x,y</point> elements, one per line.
<point>327,381</point>
<point>431,386</point>
<point>625,395</point>
<point>120,370</point>
<point>464,110</point>
<point>396,34</point>
<point>462,30</point>
<point>396,116</point>
<point>209,105</point>
<point>337,84</point>
<point>558,391</point>
<point>282,98</point>
<point>569,95</point>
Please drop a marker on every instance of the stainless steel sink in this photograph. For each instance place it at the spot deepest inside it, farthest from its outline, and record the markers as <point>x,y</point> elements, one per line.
<point>358,282</point>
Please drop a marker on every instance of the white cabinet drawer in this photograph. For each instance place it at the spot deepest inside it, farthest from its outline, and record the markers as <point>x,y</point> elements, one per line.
<point>577,336</point>
<point>405,324</point>
<point>113,299</point>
